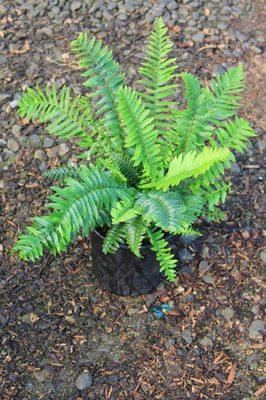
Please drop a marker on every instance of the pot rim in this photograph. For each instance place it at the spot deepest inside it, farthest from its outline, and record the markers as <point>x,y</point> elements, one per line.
<point>124,246</point>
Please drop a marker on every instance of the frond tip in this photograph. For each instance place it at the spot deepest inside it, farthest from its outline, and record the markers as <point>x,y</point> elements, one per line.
<point>163,254</point>
<point>61,173</point>
<point>158,74</point>
<point>114,237</point>
<point>105,79</point>
<point>191,165</point>
<point>65,116</point>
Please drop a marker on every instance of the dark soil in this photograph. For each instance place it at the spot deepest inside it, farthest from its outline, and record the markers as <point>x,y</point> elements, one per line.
<point>55,320</point>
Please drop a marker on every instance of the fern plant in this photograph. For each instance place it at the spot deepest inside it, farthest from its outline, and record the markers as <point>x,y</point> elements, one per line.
<point>152,169</point>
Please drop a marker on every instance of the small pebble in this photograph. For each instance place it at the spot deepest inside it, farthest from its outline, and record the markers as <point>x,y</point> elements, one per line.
<point>48,142</point>
<point>14,103</point>
<point>13,145</point>
<point>186,335</point>
<point>84,381</point>
<point>63,149</point>
<point>40,376</point>
<point>208,279</point>
<point>184,255</point>
<point>2,143</point>
<point>40,155</point>
<point>206,342</point>
<point>169,343</point>
<point>132,311</point>
<point>16,129</point>
<point>263,257</point>
<point>204,267</point>
<point>245,235</point>
<point>255,328</point>
<point>228,313</point>
<point>75,5</point>
<point>172,6</point>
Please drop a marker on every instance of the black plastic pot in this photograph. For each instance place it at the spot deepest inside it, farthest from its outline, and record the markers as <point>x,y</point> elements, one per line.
<point>123,273</point>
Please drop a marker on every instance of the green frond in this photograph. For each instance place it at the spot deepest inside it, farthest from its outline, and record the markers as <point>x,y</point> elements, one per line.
<point>61,173</point>
<point>185,232</point>
<point>114,237</point>
<point>112,167</point>
<point>135,232</point>
<point>163,254</point>
<point>126,166</point>
<point>194,204</point>
<point>215,214</point>
<point>104,79</point>
<point>190,128</point>
<point>78,207</point>
<point>125,210</point>
<point>234,134</point>
<point>222,97</point>
<point>165,210</point>
<point>171,211</point>
<point>193,89</point>
<point>190,165</point>
<point>140,131</point>
<point>207,108</point>
<point>67,117</point>
<point>158,72</point>
<point>216,194</point>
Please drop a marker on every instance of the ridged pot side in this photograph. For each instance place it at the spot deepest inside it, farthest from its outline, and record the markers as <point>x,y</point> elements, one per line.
<point>123,273</point>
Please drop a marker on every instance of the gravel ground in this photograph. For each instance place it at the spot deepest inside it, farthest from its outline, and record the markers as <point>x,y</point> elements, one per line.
<point>62,337</point>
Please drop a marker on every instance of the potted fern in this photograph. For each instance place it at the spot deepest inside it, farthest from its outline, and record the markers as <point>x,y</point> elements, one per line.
<point>151,169</point>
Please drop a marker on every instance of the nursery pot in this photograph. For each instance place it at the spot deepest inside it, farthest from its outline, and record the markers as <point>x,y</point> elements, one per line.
<point>123,273</point>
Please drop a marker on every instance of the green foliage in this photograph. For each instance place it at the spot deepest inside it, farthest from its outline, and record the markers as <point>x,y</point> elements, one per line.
<point>61,173</point>
<point>165,210</point>
<point>104,80</point>
<point>113,239</point>
<point>153,169</point>
<point>76,208</point>
<point>190,165</point>
<point>67,117</point>
<point>140,131</point>
<point>207,108</point>
<point>135,231</point>
<point>124,211</point>
<point>163,254</point>
<point>158,73</point>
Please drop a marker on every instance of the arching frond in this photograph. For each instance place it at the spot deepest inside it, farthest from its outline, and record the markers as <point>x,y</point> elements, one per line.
<point>65,116</point>
<point>234,134</point>
<point>76,208</point>
<point>140,131</point>
<point>190,127</point>
<point>135,231</point>
<point>104,79</point>
<point>222,97</point>
<point>190,165</point>
<point>61,173</point>
<point>158,73</point>
<point>163,254</point>
<point>207,108</point>
<point>165,210</point>
<point>114,237</point>
<point>125,210</point>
